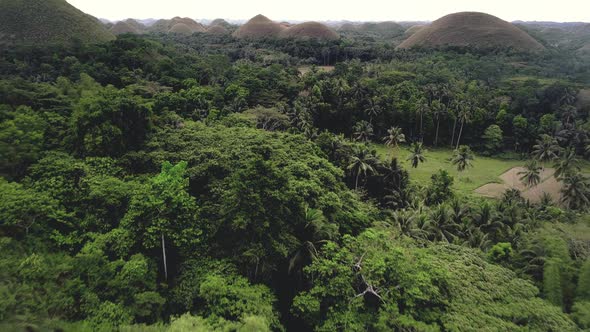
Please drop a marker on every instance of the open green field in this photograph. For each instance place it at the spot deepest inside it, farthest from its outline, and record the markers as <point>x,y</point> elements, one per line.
<point>484,170</point>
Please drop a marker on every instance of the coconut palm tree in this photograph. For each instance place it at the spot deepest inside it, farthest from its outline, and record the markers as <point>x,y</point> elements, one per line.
<point>462,158</point>
<point>531,175</point>
<point>566,163</point>
<point>406,221</point>
<point>464,116</point>
<point>373,109</point>
<point>438,110</point>
<point>546,149</point>
<point>417,156</point>
<point>314,232</point>
<point>363,131</point>
<point>440,225</point>
<point>394,137</point>
<point>423,108</point>
<point>362,162</point>
<point>575,191</point>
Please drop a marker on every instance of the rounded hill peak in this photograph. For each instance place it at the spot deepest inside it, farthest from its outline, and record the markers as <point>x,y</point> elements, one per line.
<point>472,29</point>
<point>259,26</point>
<point>47,22</point>
<point>309,30</point>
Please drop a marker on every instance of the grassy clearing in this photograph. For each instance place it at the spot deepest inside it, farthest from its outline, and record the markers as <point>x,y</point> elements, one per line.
<point>484,170</point>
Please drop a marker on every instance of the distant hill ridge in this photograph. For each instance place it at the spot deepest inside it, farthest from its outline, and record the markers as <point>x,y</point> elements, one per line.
<point>261,26</point>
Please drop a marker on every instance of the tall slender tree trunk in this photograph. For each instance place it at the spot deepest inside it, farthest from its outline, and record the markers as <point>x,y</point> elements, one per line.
<point>421,127</point>
<point>164,256</point>
<point>356,184</point>
<point>437,127</point>
<point>460,132</point>
<point>454,128</point>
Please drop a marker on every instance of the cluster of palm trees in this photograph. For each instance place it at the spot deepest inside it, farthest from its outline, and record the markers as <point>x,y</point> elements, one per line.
<point>575,191</point>
<point>478,225</point>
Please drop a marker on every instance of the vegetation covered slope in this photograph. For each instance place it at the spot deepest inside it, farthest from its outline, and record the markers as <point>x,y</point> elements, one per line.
<point>471,29</point>
<point>47,21</point>
<point>389,285</point>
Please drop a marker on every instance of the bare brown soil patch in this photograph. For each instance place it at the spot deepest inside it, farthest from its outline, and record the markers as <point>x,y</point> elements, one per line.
<point>511,180</point>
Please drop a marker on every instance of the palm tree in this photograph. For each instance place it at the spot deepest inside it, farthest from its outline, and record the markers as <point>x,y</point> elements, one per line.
<point>575,191</point>
<point>423,107</point>
<point>567,162</point>
<point>462,158</point>
<point>546,149</point>
<point>363,131</point>
<point>406,221</point>
<point>568,114</point>
<point>373,109</point>
<point>417,155</point>
<point>394,137</point>
<point>315,231</point>
<point>531,175</point>
<point>440,225</point>
<point>361,163</point>
<point>438,109</point>
<point>464,115</point>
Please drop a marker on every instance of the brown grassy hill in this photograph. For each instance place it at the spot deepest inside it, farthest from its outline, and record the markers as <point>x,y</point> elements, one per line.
<point>412,30</point>
<point>135,24</point>
<point>166,25</point>
<point>217,30</point>
<point>259,27</point>
<point>181,28</point>
<point>309,30</point>
<point>123,27</point>
<point>220,22</point>
<point>471,29</point>
<point>47,22</point>
<point>348,27</point>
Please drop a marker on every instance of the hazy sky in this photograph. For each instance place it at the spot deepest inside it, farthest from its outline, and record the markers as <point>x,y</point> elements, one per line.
<point>358,10</point>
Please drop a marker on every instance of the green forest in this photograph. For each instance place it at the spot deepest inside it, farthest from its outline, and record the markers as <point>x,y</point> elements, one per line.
<point>168,182</point>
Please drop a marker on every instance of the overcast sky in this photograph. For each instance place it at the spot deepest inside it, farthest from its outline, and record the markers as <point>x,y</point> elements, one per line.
<point>356,10</point>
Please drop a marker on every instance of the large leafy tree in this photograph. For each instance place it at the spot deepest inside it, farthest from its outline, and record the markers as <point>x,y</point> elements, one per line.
<point>109,123</point>
<point>163,214</point>
<point>21,140</point>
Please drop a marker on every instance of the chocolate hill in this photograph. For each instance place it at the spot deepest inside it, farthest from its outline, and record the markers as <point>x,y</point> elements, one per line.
<point>259,26</point>
<point>123,27</point>
<point>472,29</point>
<point>309,30</point>
<point>167,25</point>
<point>48,22</point>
